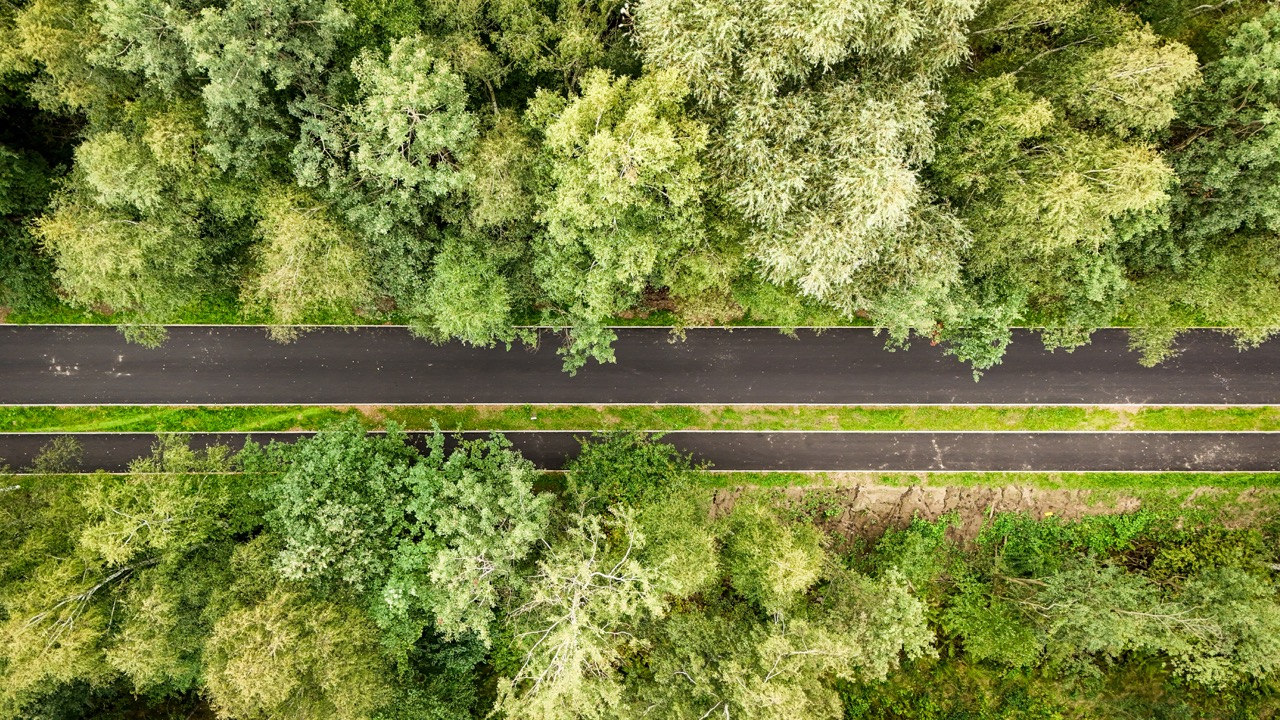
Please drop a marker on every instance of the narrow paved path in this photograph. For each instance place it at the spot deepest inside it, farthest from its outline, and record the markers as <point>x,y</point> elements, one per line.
<point>851,451</point>
<point>240,365</point>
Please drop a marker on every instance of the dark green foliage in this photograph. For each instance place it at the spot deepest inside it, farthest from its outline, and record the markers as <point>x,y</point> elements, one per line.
<point>626,468</point>
<point>25,273</point>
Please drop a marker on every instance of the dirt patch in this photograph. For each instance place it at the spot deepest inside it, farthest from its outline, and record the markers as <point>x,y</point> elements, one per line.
<point>4,313</point>
<point>653,300</point>
<point>869,510</point>
<point>1245,508</point>
<point>373,413</point>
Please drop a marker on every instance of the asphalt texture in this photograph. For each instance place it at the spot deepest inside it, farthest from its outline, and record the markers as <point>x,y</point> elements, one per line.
<point>90,365</point>
<point>798,451</point>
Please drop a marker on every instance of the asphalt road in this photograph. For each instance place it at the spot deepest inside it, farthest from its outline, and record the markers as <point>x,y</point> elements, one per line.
<point>386,365</point>
<point>850,451</point>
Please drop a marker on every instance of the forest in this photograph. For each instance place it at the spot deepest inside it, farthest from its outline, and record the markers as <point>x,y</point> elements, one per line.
<point>353,576</point>
<point>942,169</point>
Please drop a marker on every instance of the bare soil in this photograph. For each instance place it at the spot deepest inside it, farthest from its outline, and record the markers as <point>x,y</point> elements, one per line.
<point>4,313</point>
<point>867,511</point>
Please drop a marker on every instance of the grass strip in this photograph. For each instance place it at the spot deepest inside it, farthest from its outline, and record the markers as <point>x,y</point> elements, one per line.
<point>645,417</point>
<point>1131,482</point>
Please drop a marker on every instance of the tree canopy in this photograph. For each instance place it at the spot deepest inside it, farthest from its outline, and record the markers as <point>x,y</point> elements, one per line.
<point>942,169</point>
<point>368,576</point>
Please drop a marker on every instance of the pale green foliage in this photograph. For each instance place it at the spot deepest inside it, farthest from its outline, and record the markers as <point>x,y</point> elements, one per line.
<point>168,502</point>
<point>828,175</point>
<point>402,146</point>
<point>822,117</point>
<point>60,39</point>
<point>502,162</point>
<point>761,46</point>
<point>287,656</point>
<point>1025,197</point>
<point>769,562</point>
<point>621,195</point>
<point>43,642</point>
<point>144,266</point>
<point>412,127</point>
<point>680,544</point>
<point>467,297</point>
<point>129,230</point>
<point>571,632</point>
<point>93,560</point>
<point>120,172</point>
<point>390,160</point>
<point>165,615</point>
<point>53,627</point>
<point>1130,86</point>
<point>307,262</point>
<point>145,36</point>
<point>734,664</point>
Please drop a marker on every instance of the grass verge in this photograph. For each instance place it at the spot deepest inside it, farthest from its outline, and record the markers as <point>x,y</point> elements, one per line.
<point>1131,482</point>
<point>647,417</point>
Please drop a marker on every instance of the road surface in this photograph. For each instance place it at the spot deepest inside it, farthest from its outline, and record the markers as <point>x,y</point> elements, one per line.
<point>90,365</point>
<point>834,451</point>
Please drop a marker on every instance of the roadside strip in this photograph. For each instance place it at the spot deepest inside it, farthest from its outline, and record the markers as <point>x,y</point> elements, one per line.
<point>262,418</point>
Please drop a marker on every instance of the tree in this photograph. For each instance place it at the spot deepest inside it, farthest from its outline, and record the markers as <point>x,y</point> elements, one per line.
<point>481,521</point>
<point>339,502</point>
<point>401,147</point>
<point>627,469</point>
<point>1041,152</point>
<point>116,574</point>
<point>142,266</point>
<point>287,655</point>
<point>769,563</point>
<point>430,541</point>
<point>307,263</point>
<point>24,190</point>
<point>249,50</point>
<point>621,194</point>
<point>726,660</point>
<point>1224,151</point>
<point>467,298</point>
<point>1215,259</point>
<point>821,119</point>
<point>577,621</point>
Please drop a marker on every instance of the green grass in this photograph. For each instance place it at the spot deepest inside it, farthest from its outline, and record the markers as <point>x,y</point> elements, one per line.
<point>1225,418</point>
<point>1128,482</point>
<point>167,419</point>
<point>692,417</point>
<point>645,417</point>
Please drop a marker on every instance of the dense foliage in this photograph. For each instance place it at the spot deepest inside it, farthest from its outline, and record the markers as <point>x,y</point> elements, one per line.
<point>362,577</point>
<point>942,168</point>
